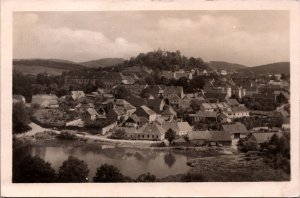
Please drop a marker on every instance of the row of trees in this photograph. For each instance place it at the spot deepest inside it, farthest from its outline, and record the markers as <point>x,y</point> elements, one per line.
<point>73,170</point>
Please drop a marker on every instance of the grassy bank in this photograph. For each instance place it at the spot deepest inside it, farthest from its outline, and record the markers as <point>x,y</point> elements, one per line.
<point>231,168</point>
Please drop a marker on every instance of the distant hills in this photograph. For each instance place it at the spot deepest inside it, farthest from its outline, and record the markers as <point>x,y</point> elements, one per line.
<point>275,68</point>
<point>57,66</point>
<point>51,66</point>
<point>104,62</point>
<point>220,65</point>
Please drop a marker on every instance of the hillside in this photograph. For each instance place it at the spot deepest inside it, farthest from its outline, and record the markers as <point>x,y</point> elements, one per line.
<point>104,62</point>
<point>51,66</point>
<point>219,65</point>
<point>274,68</point>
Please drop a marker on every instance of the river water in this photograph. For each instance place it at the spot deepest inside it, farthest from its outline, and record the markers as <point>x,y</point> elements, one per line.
<point>130,161</point>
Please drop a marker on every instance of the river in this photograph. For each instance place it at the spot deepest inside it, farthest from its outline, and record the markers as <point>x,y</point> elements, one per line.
<point>130,161</point>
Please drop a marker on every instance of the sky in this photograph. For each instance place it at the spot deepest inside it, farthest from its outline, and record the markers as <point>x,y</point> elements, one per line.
<point>250,38</point>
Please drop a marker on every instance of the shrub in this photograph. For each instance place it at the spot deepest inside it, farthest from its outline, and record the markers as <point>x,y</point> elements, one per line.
<point>35,170</point>
<point>147,177</point>
<point>108,173</point>
<point>68,135</point>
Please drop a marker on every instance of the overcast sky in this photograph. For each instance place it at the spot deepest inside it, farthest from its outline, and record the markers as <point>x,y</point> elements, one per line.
<point>245,37</point>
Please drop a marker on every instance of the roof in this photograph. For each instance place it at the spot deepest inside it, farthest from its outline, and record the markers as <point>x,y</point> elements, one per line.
<point>209,135</point>
<point>264,136</point>
<point>184,126</point>
<point>148,110</point>
<point>152,128</point>
<point>235,128</point>
<point>232,102</point>
<point>169,111</point>
<point>170,125</point>
<point>172,90</point>
<point>239,109</point>
<point>77,94</point>
<point>199,135</point>
<point>220,135</point>
<point>92,111</point>
<point>205,114</point>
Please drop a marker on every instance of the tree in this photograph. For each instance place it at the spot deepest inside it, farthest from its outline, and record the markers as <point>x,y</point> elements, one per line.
<point>108,173</point>
<point>170,135</point>
<point>21,118</point>
<point>119,134</point>
<point>122,93</point>
<point>73,170</point>
<point>150,80</point>
<point>147,177</point>
<point>35,170</point>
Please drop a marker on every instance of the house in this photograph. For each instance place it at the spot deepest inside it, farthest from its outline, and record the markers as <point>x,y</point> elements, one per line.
<point>135,89</point>
<point>135,121</point>
<point>77,94</point>
<point>92,114</point>
<point>199,138</point>
<point>45,101</point>
<point>174,100</point>
<point>183,128</point>
<point>169,91</point>
<point>216,97</point>
<point>75,123</point>
<point>262,137</point>
<point>223,72</point>
<point>169,114</point>
<point>19,98</point>
<point>204,116</point>
<point>232,102</point>
<point>237,130</point>
<point>151,131</point>
<point>146,112</point>
<point>108,128</point>
<point>237,112</point>
<point>170,125</point>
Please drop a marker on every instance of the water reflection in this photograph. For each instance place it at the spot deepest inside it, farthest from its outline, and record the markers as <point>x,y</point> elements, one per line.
<point>130,161</point>
<point>170,159</point>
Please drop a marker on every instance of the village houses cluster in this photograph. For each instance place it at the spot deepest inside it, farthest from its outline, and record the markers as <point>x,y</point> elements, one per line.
<point>211,115</point>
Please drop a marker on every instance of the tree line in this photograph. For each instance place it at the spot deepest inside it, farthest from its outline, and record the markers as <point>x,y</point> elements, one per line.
<point>36,170</point>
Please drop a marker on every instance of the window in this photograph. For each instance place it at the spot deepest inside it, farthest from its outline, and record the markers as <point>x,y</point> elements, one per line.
<point>147,136</point>
<point>152,136</point>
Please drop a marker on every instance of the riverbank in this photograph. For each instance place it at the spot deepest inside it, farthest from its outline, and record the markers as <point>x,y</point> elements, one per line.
<point>229,168</point>
<point>50,138</point>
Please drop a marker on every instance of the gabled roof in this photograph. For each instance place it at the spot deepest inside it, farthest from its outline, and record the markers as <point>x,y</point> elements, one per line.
<point>152,128</point>
<point>170,125</point>
<point>264,136</point>
<point>172,90</point>
<point>169,111</point>
<point>184,126</point>
<point>232,102</point>
<point>199,135</point>
<point>220,136</point>
<point>235,128</point>
<point>148,110</point>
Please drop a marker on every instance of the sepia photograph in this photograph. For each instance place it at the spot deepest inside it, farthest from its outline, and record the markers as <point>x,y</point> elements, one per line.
<point>151,96</point>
